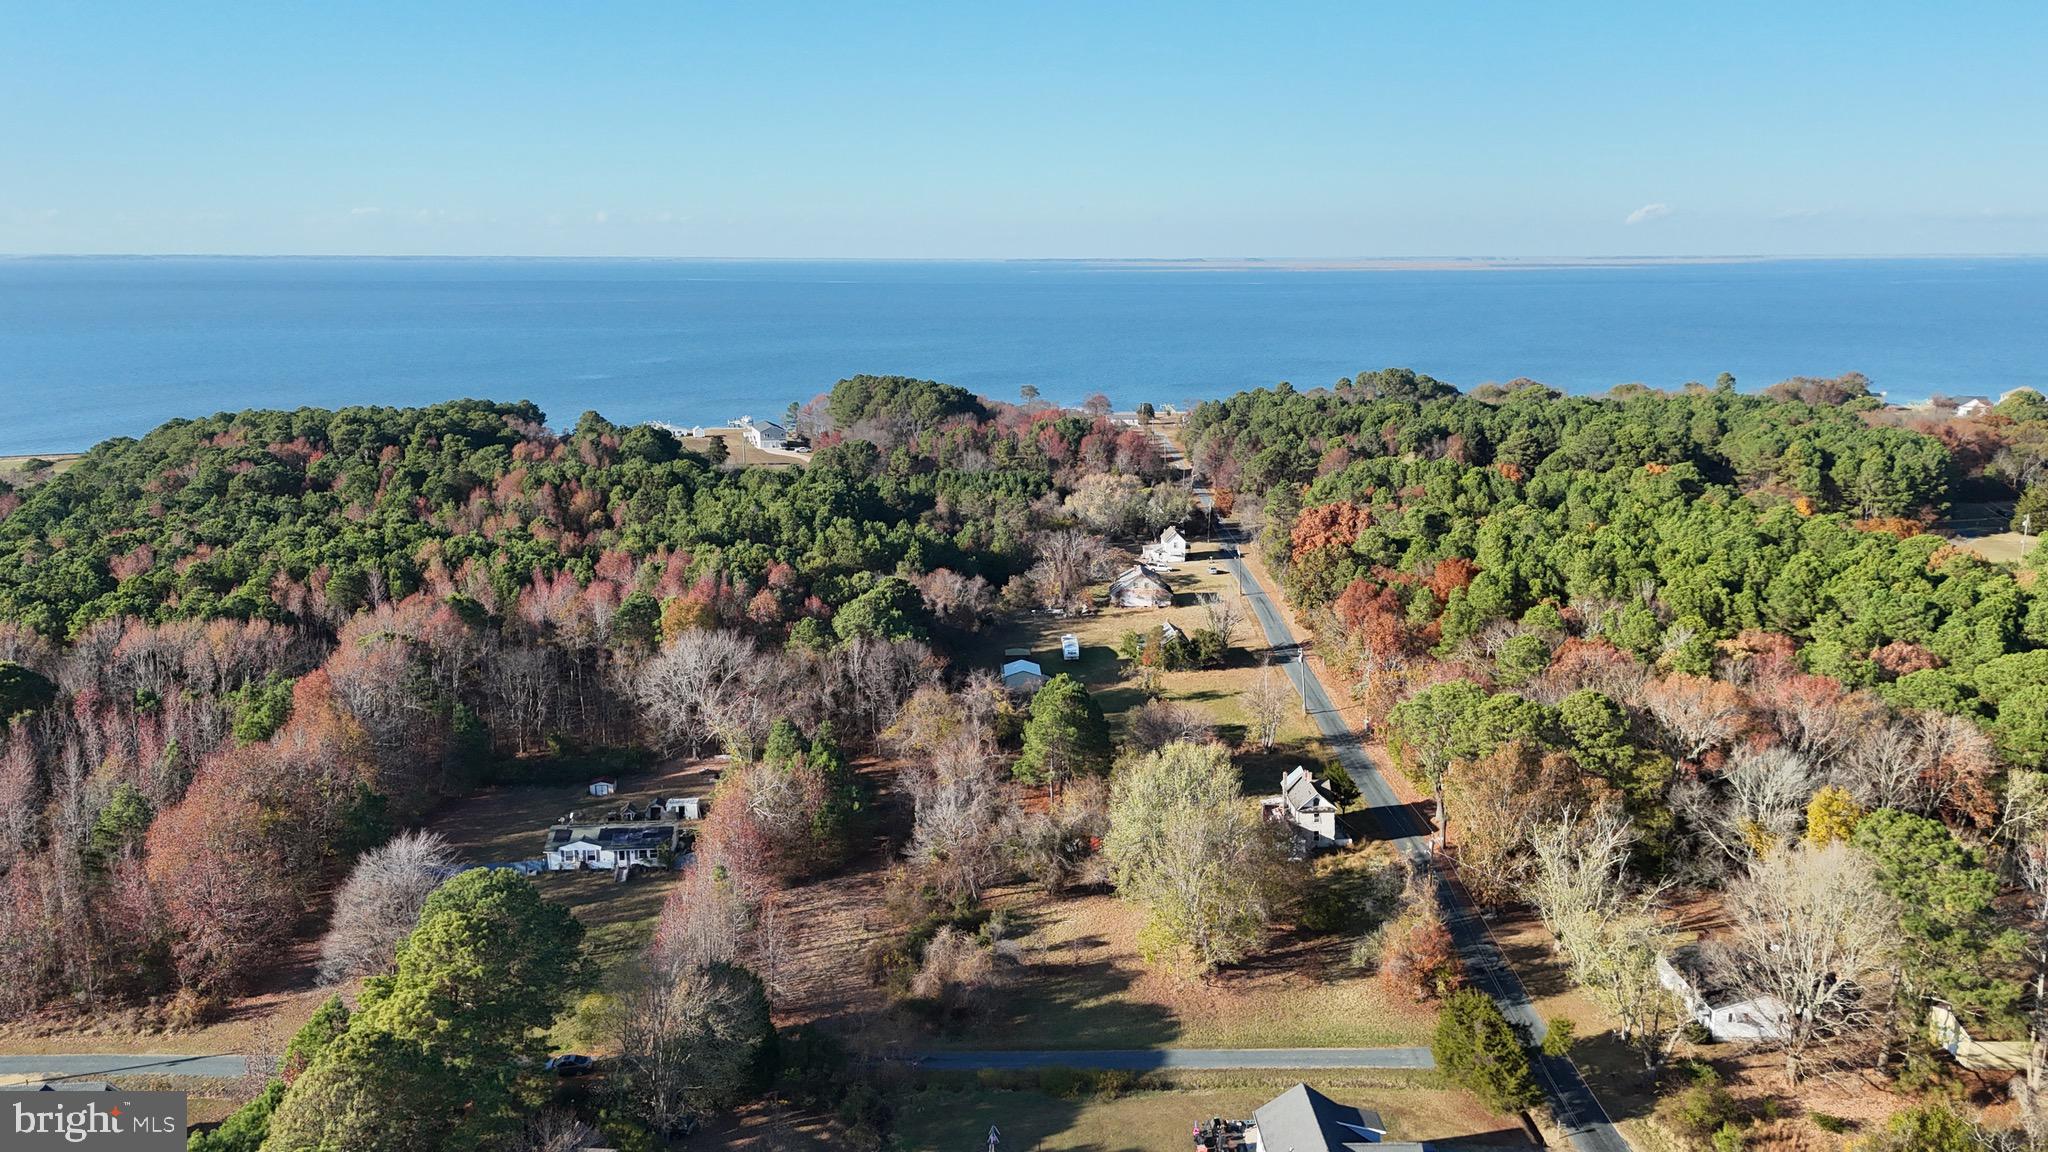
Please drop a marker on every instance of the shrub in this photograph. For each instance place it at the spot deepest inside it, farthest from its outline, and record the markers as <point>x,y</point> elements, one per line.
<point>1704,1107</point>
<point>1558,1037</point>
<point>1417,956</point>
<point>1834,1124</point>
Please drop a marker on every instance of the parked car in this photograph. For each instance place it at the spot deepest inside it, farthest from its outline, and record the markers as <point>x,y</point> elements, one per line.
<point>571,1064</point>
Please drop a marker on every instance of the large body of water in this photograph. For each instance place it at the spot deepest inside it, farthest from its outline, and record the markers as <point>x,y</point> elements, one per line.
<point>93,348</point>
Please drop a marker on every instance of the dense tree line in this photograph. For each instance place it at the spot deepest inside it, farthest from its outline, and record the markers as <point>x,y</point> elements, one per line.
<point>1706,639</point>
<point>242,649</point>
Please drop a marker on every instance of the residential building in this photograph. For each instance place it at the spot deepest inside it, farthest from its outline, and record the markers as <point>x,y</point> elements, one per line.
<point>602,787</point>
<point>610,844</point>
<point>1140,587</point>
<point>1946,1032</point>
<point>1973,406</point>
<point>1171,548</point>
<point>762,433</point>
<point>1723,1011</point>
<point>1302,1119</point>
<point>1307,807</point>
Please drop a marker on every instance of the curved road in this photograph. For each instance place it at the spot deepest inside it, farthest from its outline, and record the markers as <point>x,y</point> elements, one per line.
<point>1576,1108</point>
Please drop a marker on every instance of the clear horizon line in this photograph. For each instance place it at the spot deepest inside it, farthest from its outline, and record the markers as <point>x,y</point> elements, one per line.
<point>1617,258</point>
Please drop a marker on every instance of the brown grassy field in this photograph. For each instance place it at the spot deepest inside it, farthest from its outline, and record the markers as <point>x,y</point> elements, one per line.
<point>14,470</point>
<point>1084,985</point>
<point>1415,1106</point>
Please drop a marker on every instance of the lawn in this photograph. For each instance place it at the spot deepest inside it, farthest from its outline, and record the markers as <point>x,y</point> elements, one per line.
<point>506,823</point>
<point>1085,986</point>
<point>1214,690</point>
<point>1414,1105</point>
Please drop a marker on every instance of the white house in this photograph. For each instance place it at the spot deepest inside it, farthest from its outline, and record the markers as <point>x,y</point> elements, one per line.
<point>1070,646</point>
<point>1170,548</point>
<point>1140,587</point>
<point>602,787</point>
<point>762,433</point>
<point>610,844</point>
<point>1974,406</point>
<point>1023,676</point>
<point>1302,1119</point>
<point>1725,1013</point>
<point>1309,809</point>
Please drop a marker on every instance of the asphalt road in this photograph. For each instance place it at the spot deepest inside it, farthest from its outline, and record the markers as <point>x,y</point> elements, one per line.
<point>1150,1059</point>
<point>1576,1108</point>
<point>100,1067</point>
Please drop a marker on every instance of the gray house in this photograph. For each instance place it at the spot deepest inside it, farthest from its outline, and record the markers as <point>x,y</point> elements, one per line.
<point>1302,1119</point>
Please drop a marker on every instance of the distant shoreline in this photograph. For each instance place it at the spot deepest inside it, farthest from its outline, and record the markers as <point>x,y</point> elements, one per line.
<point>1105,263</point>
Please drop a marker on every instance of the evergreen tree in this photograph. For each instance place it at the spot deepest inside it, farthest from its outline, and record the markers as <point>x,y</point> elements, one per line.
<point>1479,1050</point>
<point>1066,735</point>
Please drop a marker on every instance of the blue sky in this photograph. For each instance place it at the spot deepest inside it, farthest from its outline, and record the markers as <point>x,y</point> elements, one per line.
<point>1083,130</point>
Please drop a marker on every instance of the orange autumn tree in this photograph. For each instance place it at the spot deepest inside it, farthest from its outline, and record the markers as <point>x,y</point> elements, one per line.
<point>1328,526</point>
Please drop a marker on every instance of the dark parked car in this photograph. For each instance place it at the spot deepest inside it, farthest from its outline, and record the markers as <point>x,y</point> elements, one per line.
<point>570,1064</point>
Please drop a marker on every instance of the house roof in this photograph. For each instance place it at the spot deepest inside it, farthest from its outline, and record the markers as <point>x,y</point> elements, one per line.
<point>768,429</point>
<point>1302,1119</point>
<point>1138,573</point>
<point>618,837</point>
<point>1171,535</point>
<point>1022,667</point>
<point>1303,794</point>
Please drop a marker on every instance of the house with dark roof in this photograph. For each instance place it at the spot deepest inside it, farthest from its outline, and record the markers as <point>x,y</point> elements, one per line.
<point>1302,1119</point>
<point>610,844</point>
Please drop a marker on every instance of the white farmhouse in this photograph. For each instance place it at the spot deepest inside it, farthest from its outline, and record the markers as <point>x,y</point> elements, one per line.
<point>1304,805</point>
<point>1171,548</point>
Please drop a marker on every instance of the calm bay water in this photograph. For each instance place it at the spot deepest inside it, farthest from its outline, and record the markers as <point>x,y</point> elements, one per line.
<point>93,348</point>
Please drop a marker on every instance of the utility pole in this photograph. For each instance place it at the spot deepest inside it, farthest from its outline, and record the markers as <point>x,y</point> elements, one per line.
<point>2026,530</point>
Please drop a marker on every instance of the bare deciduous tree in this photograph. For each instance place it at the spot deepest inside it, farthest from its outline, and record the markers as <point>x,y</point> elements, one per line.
<point>1754,807</point>
<point>1068,561</point>
<point>1811,929</point>
<point>381,903</point>
<point>1225,613</point>
<point>1158,723</point>
<point>1266,706</point>
<point>1607,928</point>
<point>693,691</point>
<point>965,811</point>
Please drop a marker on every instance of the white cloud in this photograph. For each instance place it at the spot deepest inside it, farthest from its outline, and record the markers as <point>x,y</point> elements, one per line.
<point>1647,213</point>
<point>602,216</point>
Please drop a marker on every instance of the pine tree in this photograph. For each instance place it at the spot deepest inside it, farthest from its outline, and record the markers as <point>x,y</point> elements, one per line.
<point>1480,1051</point>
